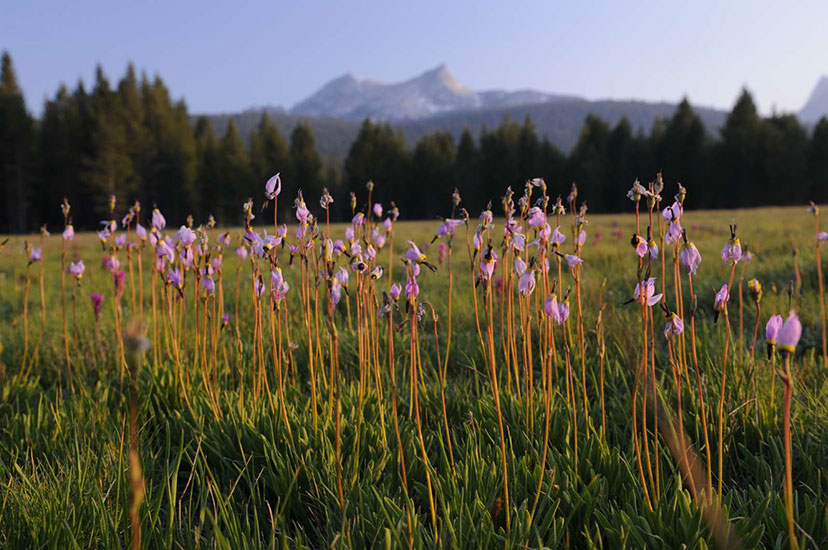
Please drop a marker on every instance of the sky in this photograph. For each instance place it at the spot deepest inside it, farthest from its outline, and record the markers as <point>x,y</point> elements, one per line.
<point>229,56</point>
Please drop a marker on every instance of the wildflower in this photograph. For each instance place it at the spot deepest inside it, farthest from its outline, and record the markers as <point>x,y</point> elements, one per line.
<point>822,236</point>
<point>488,262</point>
<point>241,252</point>
<point>158,221</point>
<point>35,255</point>
<point>674,232</point>
<point>673,212</point>
<point>732,250</point>
<point>303,215</point>
<point>395,291</point>
<point>414,253</point>
<point>755,290</point>
<point>447,228</point>
<point>520,266</point>
<point>209,285</point>
<point>113,264</point>
<point>572,261</point>
<point>640,245</point>
<point>97,302</point>
<point>120,241</point>
<point>558,237</point>
<point>720,302</point>
<point>326,200</point>
<point>376,273</point>
<point>377,210</point>
<point>652,247</point>
<point>69,233</point>
<point>186,236</point>
<point>558,312</point>
<point>690,257</point>
<point>175,278</point>
<point>279,287</point>
<point>412,289</point>
<point>645,292</point>
<point>526,283</point>
<point>76,269</point>
<point>772,332</point>
<point>388,225</point>
<point>118,278</point>
<point>635,193</point>
<point>259,287</point>
<point>442,252</point>
<point>225,319</point>
<point>370,252</point>
<point>535,217</point>
<point>674,326</point>
<point>789,334</point>
<point>582,237</point>
<point>141,232</point>
<point>273,187</point>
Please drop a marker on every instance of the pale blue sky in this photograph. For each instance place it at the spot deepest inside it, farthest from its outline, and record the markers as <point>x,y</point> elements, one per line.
<point>232,55</point>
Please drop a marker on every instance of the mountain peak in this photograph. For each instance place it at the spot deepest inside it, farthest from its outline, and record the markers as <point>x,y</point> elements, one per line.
<point>817,104</point>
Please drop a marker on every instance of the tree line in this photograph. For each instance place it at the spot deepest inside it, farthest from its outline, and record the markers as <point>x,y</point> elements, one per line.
<point>134,141</point>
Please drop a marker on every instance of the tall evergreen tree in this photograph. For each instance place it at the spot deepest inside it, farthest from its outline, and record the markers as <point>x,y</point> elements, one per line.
<point>736,155</point>
<point>587,163</point>
<point>269,155</point>
<point>432,170</point>
<point>16,150</point>
<point>378,153</point>
<point>818,162</point>
<point>467,171</point>
<point>306,165</point>
<point>681,152</point>
<point>233,176</point>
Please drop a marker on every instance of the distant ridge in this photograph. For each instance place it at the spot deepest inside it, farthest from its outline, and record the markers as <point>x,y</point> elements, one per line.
<point>817,105</point>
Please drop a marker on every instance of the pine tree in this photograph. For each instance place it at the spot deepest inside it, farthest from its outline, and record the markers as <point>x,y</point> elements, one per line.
<point>378,153</point>
<point>233,174</point>
<point>432,170</point>
<point>269,155</point>
<point>305,163</point>
<point>818,162</point>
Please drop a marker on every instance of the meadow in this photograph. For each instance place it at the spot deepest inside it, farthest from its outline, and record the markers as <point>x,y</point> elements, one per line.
<point>267,400</point>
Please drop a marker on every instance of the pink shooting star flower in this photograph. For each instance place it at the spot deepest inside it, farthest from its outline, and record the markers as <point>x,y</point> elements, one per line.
<point>35,255</point>
<point>103,235</point>
<point>526,283</point>
<point>772,329</point>
<point>259,287</point>
<point>175,278</point>
<point>377,210</point>
<point>582,236</point>
<point>209,285</point>
<point>141,231</point>
<point>118,278</point>
<point>273,187</point>
<point>120,241</point>
<point>645,292</point>
<point>336,291</point>
<point>241,252</point>
<point>558,238</point>
<point>113,264</point>
<point>225,319</point>
<point>488,263</point>
<point>388,225</point>
<point>732,250</point>
<point>520,266</point>
<point>158,220</point>
<point>673,232</point>
<point>486,219</point>
<point>822,236</point>
<point>652,247</point>
<point>519,241</point>
<point>535,217</point>
<point>69,233</point>
<point>573,261</point>
<point>674,212</point>
<point>370,252</point>
<point>447,228</point>
<point>720,302</point>
<point>674,326</point>
<point>376,273</point>
<point>358,220</point>
<point>690,257</point>
<point>442,252</point>
<point>558,312</point>
<point>349,234</point>
<point>97,303</point>
<point>186,236</point>
<point>789,334</point>
<point>499,285</point>
<point>640,245</point>
<point>395,291</point>
<point>76,270</point>
<point>412,289</point>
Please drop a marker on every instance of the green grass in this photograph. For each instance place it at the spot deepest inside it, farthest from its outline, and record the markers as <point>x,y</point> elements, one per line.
<point>234,480</point>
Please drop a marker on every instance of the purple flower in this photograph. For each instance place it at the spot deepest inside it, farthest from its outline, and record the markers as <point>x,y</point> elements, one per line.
<point>789,334</point>
<point>674,326</point>
<point>558,312</point>
<point>557,236</point>
<point>520,266</point>
<point>273,187</point>
<point>732,251</point>
<point>358,219</point>
<point>640,245</point>
<point>209,285</point>
<point>225,319</point>
<point>376,273</point>
<point>414,254</point>
<point>97,302</point>
<point>336,291</point>
<point>186,236</point>
<point>259,287</point>
<point>535,217</point>
<point>113,264</point>
<point>412,289</point>
<point>395,291</point>
<point>673,232</point>
<point>69,233</point>
<point>349,234</point>
<point>720,302</point>
<point>690,257</point>
<point>447,228</point>
<point>486,219</point>
<point>652,247</point>
<point>279,287</point>
<point>302,213</point>
<point>572,261</point>
<point>377,210</point>
<point>822,236</point>
<point>772,331</point>
<point>175,278</point>
<point>526,283</point>
<point>488,263</point>
<point>141,232</point>
<point>76,269</point>
<point>645,292</point>
<point>118,278</point>
<point>673,212</point>
<point>158,221</point>
<point>241,252</point>
<point>35,255</point>
<point>582,237</point>
<point>388,225</point>
<point>343,276</point>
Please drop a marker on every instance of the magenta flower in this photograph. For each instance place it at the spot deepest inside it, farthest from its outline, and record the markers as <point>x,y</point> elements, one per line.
<point>732,251</point>
<point>279,287</point>
<point>557,236</point>
<point>175,278</point>
<point>673,212</point>
<point>412,289</point>
<point>358,219</point>
<point>97,302</point>
<point>241,252</point>
<point>488,263</point>
<point>158,221</point>
<point>645,292</point>
<point>113,264</point>
<point>35,255</point>
<point>772,329</point>
<point>447,228</point>
<point>526,283</point>
<point>370,252</point>
<point>652,247</point>
<point>141,232</point>
<point>69,233</point>
<point>558,312</point>
<point>674,326</point>
<point>520,266</point>
<point>582,237</point>
<point>442,252</point>
<point>349,234</point>
<point>336,291</point>
<point>572,261</point>
<point>376,273</point>
<point>720,302</point>
<point>673,232</point>
<point>118,278</point>
<point>378,238</point>
<point>388,225</point>
<point>343,276</point>
<point>414,254</point>
<point>303,215</point>
<point>186,236</point>
<point>209,285</point>
<point>395,291</point>
<point>640,245</point>
<point>377,210</point>
<point>789,334</point>
<point>76,269</point>
<point>690,257</point>
<point>535,217</point>
<point>273,187</point>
